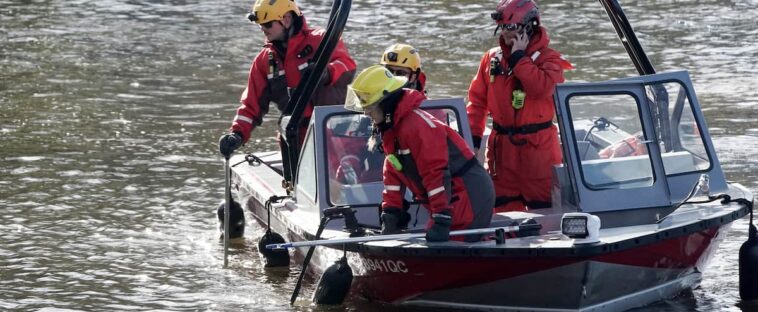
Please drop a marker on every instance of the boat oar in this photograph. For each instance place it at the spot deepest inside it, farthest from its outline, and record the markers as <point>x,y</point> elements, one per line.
<point>227,204</point>
<point>352,240</point>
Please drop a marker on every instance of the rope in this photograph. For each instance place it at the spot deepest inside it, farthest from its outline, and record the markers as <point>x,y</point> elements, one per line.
<point>267,205</point>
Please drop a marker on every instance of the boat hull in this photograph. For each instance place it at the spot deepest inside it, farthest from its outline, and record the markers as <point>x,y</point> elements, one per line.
<point>629,268</point>
<point>613,281</point>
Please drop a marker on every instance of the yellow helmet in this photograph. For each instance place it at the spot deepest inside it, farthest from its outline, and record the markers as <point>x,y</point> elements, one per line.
<point>371,86</point>
<point>265,11</point>
<point>402,55</point>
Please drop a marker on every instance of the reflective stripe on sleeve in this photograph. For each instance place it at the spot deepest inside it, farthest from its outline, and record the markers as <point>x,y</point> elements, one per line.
<point>436,191</point>
<point>395,188</point>
<point>343,64</point>
<point>243,118</point>
<point>441,215</point>
<point>406,151</point>
<point>535,56</point>
<point>425,118</point>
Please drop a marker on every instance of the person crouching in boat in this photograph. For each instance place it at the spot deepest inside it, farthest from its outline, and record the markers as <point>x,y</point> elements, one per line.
<point>423,154</point>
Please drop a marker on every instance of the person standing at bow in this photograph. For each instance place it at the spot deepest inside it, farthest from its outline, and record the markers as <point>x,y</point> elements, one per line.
<point>278,68</point>
<point>423,154</point>
<point>515,84</point>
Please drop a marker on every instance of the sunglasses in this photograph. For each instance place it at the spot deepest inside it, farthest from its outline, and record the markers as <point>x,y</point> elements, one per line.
<point>267,24</point>
<point>254,18</point>
<point>399,72</point>
<point>511,27</point>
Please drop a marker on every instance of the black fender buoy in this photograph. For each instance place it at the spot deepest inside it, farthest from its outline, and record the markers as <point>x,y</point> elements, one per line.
<point>273,257</point>
<point>334,284</point>
<point>236,220</point>
<point>748,262</point>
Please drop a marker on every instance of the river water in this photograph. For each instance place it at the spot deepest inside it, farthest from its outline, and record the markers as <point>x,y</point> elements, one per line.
<point>110,112</point>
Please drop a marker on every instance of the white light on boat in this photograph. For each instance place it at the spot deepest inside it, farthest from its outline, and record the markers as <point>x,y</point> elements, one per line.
<point>583,227</point>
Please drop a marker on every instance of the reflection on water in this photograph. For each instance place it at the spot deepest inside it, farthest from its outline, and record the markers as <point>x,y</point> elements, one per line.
<point>110,110</point>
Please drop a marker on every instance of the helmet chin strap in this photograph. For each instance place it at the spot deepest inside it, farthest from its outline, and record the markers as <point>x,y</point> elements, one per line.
<point>389,106</point>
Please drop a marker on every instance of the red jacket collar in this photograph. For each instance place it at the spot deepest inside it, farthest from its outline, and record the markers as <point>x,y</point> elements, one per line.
<point>411,100</point>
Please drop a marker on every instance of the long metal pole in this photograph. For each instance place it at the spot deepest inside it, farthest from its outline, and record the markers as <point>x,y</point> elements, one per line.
<point>296,291</point>
<point>325,242</point>
<point>628,38</point>
<point>227,205</point>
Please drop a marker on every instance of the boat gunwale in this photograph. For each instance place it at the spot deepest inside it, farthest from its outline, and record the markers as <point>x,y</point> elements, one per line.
<point>577,250</point>
<point>716,220</point>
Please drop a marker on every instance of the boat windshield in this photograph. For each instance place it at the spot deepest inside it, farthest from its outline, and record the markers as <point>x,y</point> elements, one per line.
<point>681,137</point>
<point>612,143</point>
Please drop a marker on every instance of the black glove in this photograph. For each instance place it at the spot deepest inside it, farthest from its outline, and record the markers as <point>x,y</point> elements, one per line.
<point>394,220</point>
<point>228,143</point>
<point>515,57</point>
<point>440,230</point>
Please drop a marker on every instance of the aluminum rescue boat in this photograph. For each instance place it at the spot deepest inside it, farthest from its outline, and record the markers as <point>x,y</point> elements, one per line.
<point>640,204</point>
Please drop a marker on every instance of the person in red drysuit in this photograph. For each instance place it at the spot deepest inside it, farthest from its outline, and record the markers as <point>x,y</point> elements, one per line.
<point>277,70</point>
<point>424,155</point>
<point>515,84</point>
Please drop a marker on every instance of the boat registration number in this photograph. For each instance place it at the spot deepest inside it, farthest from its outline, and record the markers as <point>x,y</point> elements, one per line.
<point>394,266</point>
